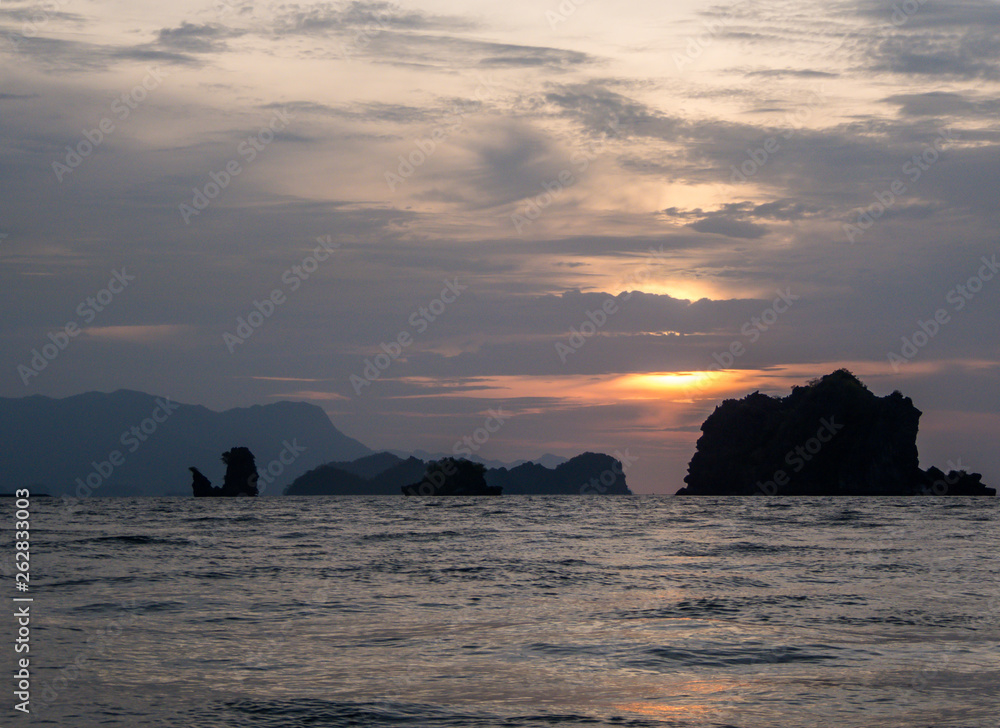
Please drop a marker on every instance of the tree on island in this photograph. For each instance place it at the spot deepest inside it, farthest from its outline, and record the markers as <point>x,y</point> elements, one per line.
<point>240,480</point>
<point>450,476</point>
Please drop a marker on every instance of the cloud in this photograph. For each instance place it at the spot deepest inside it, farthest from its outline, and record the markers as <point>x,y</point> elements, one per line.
<point>730,227</point>
<point>737,219</point>
<point>449,51</point>
<point>58,55</point>
<point>373,17</point>
<point>789,72</point>
<point>942,103</point>
<point>192,38</point>
<point>972,56</point>
<point>374,111</point>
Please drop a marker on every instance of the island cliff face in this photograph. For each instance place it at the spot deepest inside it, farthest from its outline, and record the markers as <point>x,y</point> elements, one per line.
<point>830,437</point>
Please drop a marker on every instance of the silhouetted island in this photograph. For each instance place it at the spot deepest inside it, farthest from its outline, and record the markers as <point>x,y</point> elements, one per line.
<point>240,480</point>
<point>588,474</point>
<point>830,437</point>
<point>449,476</point>
<point>387,474</point>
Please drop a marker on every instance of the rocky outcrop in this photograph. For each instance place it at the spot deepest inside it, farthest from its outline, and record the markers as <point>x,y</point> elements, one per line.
<point>451,477</point>
<point>241,476</point>
<point>830,437</point>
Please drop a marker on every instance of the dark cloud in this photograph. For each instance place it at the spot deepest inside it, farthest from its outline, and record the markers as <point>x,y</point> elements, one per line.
<point>972,56</point>
<point>193,38</point>
<point>374,17</point>
<point>943,103</point>
<point>737,219</point>
<point>449,51</point>
<point>364,112</point>
<point>795,73</point>
<point>30,19</point>
<point>595,107</point>
<point>961,15</point>
<point>730,227</point>
<point>59,55</point>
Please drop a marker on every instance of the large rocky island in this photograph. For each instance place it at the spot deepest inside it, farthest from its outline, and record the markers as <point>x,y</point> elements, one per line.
<point>830,437</point>
<point>386,474</point>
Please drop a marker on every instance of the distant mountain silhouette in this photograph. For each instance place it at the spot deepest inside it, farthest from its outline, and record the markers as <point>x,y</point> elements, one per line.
<point>830,437</point>
<point>386,474</point>
<point>587,474</point>
<point>132,443</point>
<point>548,459</point>
<point>379,474</point>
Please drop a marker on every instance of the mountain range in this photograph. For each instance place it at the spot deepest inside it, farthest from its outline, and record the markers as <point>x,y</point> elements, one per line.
<point>129,443</point>
<point>385,473</point>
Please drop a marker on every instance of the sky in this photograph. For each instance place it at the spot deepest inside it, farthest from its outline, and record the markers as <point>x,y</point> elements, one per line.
<point>597,220</point>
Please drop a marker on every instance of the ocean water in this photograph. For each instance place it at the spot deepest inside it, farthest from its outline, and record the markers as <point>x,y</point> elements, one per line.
<point>514,611</point>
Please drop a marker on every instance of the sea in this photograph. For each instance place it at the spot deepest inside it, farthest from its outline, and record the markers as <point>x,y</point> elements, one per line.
<point>512,612</point>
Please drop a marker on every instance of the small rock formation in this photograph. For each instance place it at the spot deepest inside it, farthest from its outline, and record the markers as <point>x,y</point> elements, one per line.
<point>831,437</point>
<point>449,476</point>
<point>240,480</point>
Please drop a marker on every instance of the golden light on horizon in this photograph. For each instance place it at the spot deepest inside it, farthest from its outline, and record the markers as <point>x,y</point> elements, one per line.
<point>682,385</point>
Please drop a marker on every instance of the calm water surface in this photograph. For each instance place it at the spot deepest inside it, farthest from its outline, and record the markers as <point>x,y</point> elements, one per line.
<point>515,612</point>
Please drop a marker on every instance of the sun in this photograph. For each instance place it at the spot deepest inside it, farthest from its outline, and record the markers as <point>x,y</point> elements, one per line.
<point>680,385</point>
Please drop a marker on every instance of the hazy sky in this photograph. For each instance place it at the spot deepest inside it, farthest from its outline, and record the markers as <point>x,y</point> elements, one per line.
<point>800,184</point>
